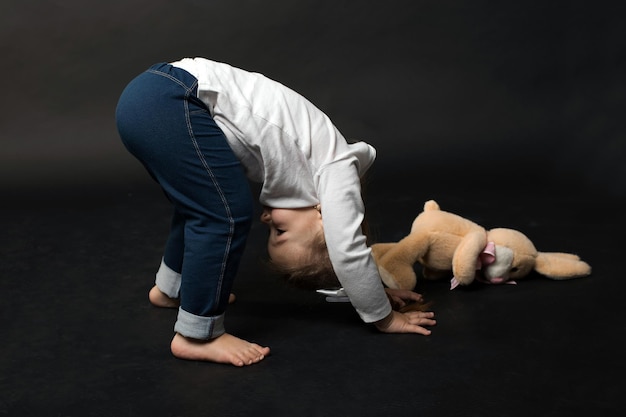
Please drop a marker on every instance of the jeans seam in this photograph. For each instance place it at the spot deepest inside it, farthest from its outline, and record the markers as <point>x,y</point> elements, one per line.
<point>176,80</point>
<point>217,187</point>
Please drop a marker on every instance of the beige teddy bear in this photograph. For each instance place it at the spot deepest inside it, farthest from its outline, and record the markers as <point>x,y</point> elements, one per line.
<point>443,242</point>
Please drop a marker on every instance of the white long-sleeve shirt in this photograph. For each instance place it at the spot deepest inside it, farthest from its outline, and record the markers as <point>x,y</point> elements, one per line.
<point>293,149</point>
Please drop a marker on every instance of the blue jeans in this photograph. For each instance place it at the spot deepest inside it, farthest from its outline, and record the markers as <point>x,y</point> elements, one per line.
<point>164,125</point>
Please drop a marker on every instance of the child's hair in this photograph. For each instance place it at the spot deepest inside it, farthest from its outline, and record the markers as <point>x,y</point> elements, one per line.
<point>314,273</point>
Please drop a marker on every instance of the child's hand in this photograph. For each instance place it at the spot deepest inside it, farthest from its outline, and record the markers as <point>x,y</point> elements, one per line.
<point>410,322</point>
<point>400,298</point>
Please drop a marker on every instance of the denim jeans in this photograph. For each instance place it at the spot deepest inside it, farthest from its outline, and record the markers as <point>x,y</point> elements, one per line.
<point>164,125</point>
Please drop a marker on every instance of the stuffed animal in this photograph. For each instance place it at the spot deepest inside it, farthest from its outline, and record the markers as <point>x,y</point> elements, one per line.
<point>445,243</point>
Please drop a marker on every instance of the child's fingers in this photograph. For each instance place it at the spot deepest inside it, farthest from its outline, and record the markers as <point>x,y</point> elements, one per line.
<point>396,302</point>
<point>420,314</point>
<point>410,322</point>
<point>421,318</point>
<point>419,330</point>
<point>414,296</point>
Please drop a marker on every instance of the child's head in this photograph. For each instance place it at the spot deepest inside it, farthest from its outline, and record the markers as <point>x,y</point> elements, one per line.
<point>297,248</point>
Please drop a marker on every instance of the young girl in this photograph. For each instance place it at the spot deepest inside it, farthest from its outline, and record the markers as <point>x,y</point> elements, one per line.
<point>202,129</point>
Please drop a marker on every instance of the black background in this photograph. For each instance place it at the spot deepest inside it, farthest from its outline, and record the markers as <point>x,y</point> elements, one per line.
<point>507,113</point>
<point>521,93</point>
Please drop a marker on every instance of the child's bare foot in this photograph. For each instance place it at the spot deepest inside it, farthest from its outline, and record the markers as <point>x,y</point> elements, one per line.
<point>223,349</point>
<point>159,299</point>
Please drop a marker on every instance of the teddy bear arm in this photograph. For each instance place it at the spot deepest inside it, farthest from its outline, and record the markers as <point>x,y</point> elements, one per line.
<point>466,254</point>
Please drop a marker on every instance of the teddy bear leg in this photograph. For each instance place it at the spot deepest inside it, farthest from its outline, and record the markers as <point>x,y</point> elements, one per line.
<point>403,281</point>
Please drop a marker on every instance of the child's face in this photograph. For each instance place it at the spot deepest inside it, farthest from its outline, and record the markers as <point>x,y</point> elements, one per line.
<point>292,232</point>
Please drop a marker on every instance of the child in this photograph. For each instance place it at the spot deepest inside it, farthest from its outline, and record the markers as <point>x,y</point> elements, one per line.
<point>202,129</point>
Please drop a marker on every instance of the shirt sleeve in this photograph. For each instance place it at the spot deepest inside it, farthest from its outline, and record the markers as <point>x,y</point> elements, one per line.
<point>342,214</point>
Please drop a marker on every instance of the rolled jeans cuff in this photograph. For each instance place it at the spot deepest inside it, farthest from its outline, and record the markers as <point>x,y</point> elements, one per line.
<point>168,280</point>
<point>199,327</point>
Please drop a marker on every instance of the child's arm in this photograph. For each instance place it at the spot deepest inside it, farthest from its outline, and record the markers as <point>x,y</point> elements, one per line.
<point>342,215</point>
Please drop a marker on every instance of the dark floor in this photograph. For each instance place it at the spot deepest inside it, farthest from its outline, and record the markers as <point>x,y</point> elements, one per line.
<point>79,337</point>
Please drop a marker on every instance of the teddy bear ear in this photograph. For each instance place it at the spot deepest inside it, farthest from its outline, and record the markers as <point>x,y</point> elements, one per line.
<point>556,265</point>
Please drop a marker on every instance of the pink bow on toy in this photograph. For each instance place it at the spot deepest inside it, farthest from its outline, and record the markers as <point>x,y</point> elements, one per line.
<point>486,257</point>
